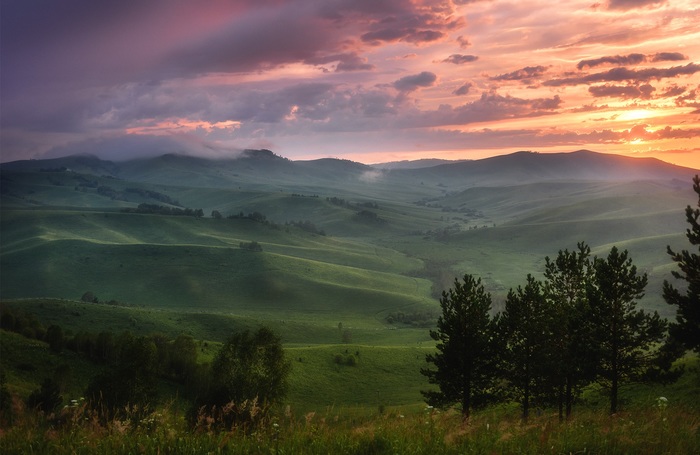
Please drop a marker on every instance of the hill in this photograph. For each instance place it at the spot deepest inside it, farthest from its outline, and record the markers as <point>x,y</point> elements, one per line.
<point>353,258</point>
<point>431,222</point>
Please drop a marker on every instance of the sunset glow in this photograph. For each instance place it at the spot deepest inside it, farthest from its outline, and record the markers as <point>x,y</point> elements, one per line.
<point>365,80</point>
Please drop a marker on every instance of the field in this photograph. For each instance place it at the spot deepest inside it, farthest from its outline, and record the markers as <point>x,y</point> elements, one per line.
<point>352,263</point>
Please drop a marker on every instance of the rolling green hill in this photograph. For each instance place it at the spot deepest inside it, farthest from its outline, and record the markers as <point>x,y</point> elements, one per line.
<point>343,244</point>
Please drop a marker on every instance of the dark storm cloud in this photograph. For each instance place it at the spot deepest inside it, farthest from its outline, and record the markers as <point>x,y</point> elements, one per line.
<point>57,55</point>
<point>460,59</point>
<point>625,74</point>
<point>632,59</point>
<point>416,81</point>
<point>402,21</point>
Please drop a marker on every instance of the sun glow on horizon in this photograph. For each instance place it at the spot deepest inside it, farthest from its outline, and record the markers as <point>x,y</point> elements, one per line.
<point>635,114</point>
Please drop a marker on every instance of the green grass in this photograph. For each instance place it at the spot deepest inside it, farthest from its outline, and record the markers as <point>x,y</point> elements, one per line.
<point>644,431</point>
<point>26,363</point>
<point>186,275</point>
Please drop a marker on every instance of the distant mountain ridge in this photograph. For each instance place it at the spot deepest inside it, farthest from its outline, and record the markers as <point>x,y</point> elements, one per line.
<point>414,164</point>
<point>266,166</point>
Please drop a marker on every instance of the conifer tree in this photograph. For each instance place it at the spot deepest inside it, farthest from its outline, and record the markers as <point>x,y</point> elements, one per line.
<point>624,335</point>
<point>571,360</point>
<point>464,362</point>
<point>686,329</point>
<point>523,331</point>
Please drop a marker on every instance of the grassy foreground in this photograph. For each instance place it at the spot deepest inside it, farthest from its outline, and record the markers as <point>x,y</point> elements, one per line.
<point>653,430</point>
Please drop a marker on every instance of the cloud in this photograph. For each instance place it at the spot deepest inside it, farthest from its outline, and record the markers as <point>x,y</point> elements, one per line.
<point>490,106</point>
<point>623,91</point>
<point>463,89</point>
<point>125,147</point>
<point>416,81</point>
<point>460,59</point>
<point>371,176</point>
<point>626,5</point>
<point>524,75</point>
<point>631,59</point>
<point>349,61</point>
<point>668,57</point>
<point>398,34</point>
<point>624,74</point>
<point>463,42</point>
<point>412,22</point>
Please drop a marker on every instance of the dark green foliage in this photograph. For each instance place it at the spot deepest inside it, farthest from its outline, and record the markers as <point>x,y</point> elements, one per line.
<point>464,364</point>
<point>216,214</point>
<point>90,297</point>
<point>26,324</point>
<point>47,399</point>
<point>623,335</point>
<point>6,412</point>
<point>151,195</point>
<point>368,216</point>
<point>524,330</point>
<point>105,350</point>
<point>54,337</point>
<point>572,359</point>
<point>129,382</point>
<point>307,226</point>
<point>164,210</point>
<point>686,329</point>
<point>415,319</point>
<point>183,358</point>
<point>247,377</point>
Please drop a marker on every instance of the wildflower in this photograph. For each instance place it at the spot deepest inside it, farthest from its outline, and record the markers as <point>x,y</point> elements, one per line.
<point>662,402</point>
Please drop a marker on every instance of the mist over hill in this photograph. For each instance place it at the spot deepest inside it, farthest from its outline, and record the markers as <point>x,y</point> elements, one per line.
<point>263,166</point>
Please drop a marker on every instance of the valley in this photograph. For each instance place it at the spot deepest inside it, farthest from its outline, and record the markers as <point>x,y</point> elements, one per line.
<point>344,248</point>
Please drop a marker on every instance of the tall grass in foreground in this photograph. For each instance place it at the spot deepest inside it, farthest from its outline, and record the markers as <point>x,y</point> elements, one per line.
<point>654,430</point>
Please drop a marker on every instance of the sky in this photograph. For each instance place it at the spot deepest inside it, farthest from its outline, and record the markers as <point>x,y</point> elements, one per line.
<point>366,80</point>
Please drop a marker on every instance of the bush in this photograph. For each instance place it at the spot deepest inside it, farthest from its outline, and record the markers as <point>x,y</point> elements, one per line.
<point>47,398</point>
<point>248,376</point>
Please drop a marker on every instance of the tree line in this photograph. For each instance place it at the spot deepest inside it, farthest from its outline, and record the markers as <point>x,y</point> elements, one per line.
<point>247,376</point>
<point>578,326</point>
<point>164,210</point>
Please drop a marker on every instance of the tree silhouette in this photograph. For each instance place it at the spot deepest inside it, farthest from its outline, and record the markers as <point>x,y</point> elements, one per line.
<point>464,362</point>
<point>624,335</point>
<point>524,333</point>
<point>572,361</point>
<point>686,329</point>
<point>248,375</point>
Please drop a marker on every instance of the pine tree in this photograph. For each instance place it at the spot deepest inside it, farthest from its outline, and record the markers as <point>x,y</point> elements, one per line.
<point>686,329</point>
<point>464,362</point>
<point>566,280</point>
<point>523,330</point>
<point>624,335</point>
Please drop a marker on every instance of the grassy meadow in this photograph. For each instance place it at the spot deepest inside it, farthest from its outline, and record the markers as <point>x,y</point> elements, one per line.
<point>333,297</point>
